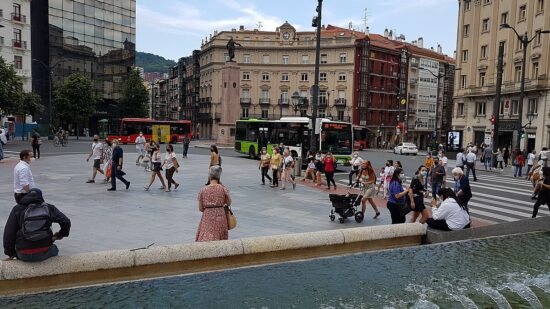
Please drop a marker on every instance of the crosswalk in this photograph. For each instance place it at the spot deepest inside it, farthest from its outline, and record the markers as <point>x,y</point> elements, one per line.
<point>497,198</point>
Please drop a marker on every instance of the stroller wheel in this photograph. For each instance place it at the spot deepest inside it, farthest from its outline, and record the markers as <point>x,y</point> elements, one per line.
<point>359,216</point>
<point>332,217</point>
<point>341,220</point>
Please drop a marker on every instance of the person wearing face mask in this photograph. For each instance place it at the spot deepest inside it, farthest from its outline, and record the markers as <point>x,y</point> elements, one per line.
<point>396,198</point>
<point>265,159</point>
<point>438,172</point>
<point>96,151</point>
<point>23,181</point>
<point>417,192</point>
<point>356,162</point>
<point>140,147</point>
<point>450,215</point>
<point>157,168</point>
<point>542,191</point>
<point>368,177</point>
<point>116,167</point>
<point>170,165</point>
<point>388,172</point>
<point>462,187</point>
<point>329,164</point>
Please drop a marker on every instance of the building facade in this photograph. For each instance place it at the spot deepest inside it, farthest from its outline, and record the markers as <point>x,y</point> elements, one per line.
<point>275,67</point>
<point>15,38</point>
<point>479,37</point>
<point>92,38</point>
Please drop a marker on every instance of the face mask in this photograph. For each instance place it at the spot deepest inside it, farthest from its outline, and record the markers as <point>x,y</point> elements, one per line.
<point>355,156</point>
<point>401,176</point>
<point>95,140</point>
<point>456,177</point>
<point>424,173</point>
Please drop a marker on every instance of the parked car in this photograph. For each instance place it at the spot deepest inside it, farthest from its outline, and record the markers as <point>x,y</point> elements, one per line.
<point>406,148</point>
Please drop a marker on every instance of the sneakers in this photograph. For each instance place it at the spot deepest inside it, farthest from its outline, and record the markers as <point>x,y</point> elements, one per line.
<point>111,189</point>
<point>176,186</point>
<point>127,186</point>
<point>376,215</point>
<point>90,181</point>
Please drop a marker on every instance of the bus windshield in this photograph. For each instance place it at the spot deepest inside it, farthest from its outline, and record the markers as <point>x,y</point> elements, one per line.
<point>336,138</point>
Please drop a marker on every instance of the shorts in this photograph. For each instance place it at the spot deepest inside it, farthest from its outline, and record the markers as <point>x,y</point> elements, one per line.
<point>157,166</point>
<point>419,203</point>
<point>97,163</point>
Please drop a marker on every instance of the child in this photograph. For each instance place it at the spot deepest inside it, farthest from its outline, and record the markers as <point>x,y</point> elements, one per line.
<point>381,178</point>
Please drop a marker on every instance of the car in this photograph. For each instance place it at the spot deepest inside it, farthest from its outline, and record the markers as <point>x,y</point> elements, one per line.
<point>406,148</point>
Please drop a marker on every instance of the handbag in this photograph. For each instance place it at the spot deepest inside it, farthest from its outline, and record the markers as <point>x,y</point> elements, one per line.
<point>108,172</point>
<point>405,208</point>
<point>231,219</point>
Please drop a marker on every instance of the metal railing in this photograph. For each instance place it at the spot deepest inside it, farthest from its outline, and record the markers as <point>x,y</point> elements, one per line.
<point>19,44</point>
<point>284,101</point>
<point>340,101</point>
<point>19,18</point>
<point>246,101</point>
<point>263,101</point>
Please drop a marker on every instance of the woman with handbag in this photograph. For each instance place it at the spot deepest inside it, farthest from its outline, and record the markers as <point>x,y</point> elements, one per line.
<point>397,203</point>
<point>275,162</point>
<point>171,166</point>
<point>367,176</point>
<point>157,168</point>
<point>417,191</point>
<point>214,199</point>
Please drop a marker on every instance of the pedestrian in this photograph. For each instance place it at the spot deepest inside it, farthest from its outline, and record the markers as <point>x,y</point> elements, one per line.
<point>367,176</point>
<point>460,159</point>
<point>140,147</point>
<point>310,170</point>
<point>356,163</point>
<point>462,187</point>
<point>170,166</point>
<point>396,198</point>
<point>486,157</point>
<point>402,175</point>
<point>281,148</point>
<point>450,215</point>
<point>36,141</point>
<point>542,192</point>
<point>330,167</point>
<point>28,235</point>
<point>23,181</point>
<point>215,158</point>
<point>438,172</point>
<point>388,173</point>
<point>148,148</point>
<point>156,170</point>
<point>3,141</point>
<point>381,179</point>
<point>212,201</point>
<point>186,142</point>
<point>96,151</point>
<point>530,161</point>
<point>506,156</point>
<point>471,159</point>
<point>107,157</point>
<point>288,163</point>
<point>428,163</point>
<point>319,170</point>
<point>275,163</point>
<point>520,162</point>
<point>265,160</point>
<point>417,191</point>
<point>443,161</point>
<point>499,159</point>
<point>543,155</point>
<point>116,166</point>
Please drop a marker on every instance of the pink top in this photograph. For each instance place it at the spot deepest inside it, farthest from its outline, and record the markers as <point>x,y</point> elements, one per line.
<point>216,195</point>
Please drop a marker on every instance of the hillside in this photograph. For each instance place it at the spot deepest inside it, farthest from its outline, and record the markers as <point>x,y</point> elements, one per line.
<point>153,63</point>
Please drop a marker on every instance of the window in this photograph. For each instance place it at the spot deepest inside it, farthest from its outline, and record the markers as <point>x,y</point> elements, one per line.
<point>540,6</point>
<point>485,25</point>
<point>463,81</point>
<point>246,58</point>
<point>323,97</point>
<point>304,77</point>
<point>501,108</point>
<point>265,76</point>
<point>467,5</point>
<point>246,94</point>
<point>244,112</point>
<point>324,58</point>
<point>323,76</point>
<point>266,59</point>
<point>533,106</point>
<point>284,77</point>
<point>17,9</point>
<point>515,107</point>
<point>517,74</point>
<point>285,59</point>
<point>486,2</point>
<point>535,70</point>
<point>504,18</point>
<point>465,55</point>
<point>17,35</point>
<point>284,96</point>
<point>342,57</point>
<point>341,77</point>
<point>480,108</point>
<point>305,59</point>
<point>484,53</point>
<point>226,57</point>
<point>18,62</point>
<point>482,79</point>
<point>246,75</point>
<point>322,112</point>
<point>538,38</point>
<point>466,31</point>
<point>522,12</point>
<point>265,113</point>
<point>460,109</point>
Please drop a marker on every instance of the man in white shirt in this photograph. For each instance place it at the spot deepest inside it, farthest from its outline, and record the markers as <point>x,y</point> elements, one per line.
<point>23,181</point>
<point>140,147</point>
<point>471,164</point>
<point>544,156</point>
<point>460,159</point>
<point>356,162</point>
<point>96,151</point>
<point>530,161</point>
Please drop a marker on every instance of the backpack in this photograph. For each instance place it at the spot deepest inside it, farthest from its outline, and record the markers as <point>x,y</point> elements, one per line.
<point>36,222</point>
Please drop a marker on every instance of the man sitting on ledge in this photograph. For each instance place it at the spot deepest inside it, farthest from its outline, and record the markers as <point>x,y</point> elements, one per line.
<point>450,215</point>
<point>28,235</point>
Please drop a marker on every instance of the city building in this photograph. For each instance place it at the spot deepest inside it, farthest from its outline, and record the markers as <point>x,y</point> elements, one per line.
<point>15,38</point>
<point>190,88</point>
<point>276,66</point>
<point>479,37</point>
<point>141,72</point>
<point>152,77</point>
<point>92,38</point>
<point>159,100</point>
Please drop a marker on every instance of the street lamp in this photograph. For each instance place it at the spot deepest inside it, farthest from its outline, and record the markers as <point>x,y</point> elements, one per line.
<point>524,40</point>
<point>530,117</point>
<point>316,23</point>
<point>50,75</point>
<point>296,98</point>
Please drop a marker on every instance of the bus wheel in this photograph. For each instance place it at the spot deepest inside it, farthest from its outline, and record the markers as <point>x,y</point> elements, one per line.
<point>252,152</point>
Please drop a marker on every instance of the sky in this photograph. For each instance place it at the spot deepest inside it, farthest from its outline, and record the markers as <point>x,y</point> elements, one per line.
<point>174,28</point>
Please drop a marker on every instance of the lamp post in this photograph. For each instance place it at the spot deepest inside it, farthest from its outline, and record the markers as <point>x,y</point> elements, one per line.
<point>524,40</point>
<point>50,78</point>
<point>316,23</point>
<point>296,98</point>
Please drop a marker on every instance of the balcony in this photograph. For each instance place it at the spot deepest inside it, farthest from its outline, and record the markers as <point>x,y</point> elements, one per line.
<point>19,44</point>
<point>246,101</point>
<point>414,64</point>
<point>218,116</point>
<point>413,81</point>
<point>344,119</point>
<point>204,116</point>
<point>18,18</point>
<point>340,102</point>
<point>259,116</point>
<point>264,101</point>
<point>323,103</point>
<point>284,102</point>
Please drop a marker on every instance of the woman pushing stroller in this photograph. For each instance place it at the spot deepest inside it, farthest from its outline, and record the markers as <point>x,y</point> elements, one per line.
<point>367,177</point>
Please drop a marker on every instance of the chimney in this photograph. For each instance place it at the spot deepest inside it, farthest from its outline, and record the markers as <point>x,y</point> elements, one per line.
<point>414,43</point>
<point>241,28</point>
<point>391,35</point>
<point>233,30</point>
<point>367,31</point>
<point>386,33</point>
<point>420,42</point>
<point>439,49</point>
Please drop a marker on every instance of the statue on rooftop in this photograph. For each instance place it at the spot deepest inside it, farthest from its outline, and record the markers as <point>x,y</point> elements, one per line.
<point>231,48</point>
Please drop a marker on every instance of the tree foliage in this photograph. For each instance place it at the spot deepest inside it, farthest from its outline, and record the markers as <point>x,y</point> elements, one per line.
<point>11,88</point>
<point>153,63</point>
<point>74,100</point>
<point>134,97</point>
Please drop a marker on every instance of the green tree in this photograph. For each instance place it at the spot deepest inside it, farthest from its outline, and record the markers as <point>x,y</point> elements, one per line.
<point>11,88</point>
<point>74,100</point>
<point>134,97</point>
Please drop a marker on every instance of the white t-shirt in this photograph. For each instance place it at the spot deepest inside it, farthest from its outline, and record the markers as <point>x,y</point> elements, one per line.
<point>22,176</point>
<point>544,155</point>
<point>471,157</point>
<point>459,159</point>
<point>288,160</point>
<point>356,162</point>
<point>455,216</point>
<point>140,142</point>
<point>168,162</point>
<point>444,161</point>
<point>97,150</point>
<point>530,159</point>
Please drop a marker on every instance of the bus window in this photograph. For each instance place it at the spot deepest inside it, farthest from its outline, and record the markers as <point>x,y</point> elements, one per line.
<point>241,131</point>
<point>336,138</point>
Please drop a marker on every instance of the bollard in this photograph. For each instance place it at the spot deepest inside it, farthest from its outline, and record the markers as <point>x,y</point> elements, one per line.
<point>298,167</point>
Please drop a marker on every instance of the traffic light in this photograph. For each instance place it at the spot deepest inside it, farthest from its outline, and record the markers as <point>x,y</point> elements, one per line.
<point>314,22</point>
<point>493,119</point>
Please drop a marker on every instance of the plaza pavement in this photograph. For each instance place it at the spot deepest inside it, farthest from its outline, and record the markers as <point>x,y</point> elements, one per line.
<point>104,220</point>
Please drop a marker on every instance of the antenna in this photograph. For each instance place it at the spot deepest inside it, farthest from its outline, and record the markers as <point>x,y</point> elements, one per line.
<point>259,25</point>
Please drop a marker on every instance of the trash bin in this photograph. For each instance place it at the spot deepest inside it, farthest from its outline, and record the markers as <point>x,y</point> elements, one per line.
<point>298,167</point>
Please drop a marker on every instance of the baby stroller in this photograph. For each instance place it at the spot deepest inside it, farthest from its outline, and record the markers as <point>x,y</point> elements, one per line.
<point>346,206</point>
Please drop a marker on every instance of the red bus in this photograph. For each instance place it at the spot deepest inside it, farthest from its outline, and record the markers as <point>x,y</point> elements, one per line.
<point>159,131</point>
<point>360,137</point>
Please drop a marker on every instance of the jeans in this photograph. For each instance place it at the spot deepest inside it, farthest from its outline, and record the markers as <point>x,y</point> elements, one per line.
<point>185,149</point>
<point>517,172</point>
<point>351,174</point>
<point>528,169</point>
<point>275,177</point>
<point>330,178</point>
<point>116,173</point>
<point>265,169</point>
<point>436,185</point>
<point>170,177</point>
<point>36,151</point>
<point>471,167</point>
<point>38,257</point>
<point>395,212</point>
<point>487,162</point>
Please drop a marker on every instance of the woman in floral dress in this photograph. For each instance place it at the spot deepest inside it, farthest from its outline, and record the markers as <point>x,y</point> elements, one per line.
<point>212,198</point>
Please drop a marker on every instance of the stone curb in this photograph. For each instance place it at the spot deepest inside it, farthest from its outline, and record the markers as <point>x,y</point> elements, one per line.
<point>112,260</point>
